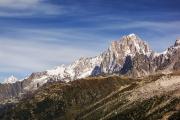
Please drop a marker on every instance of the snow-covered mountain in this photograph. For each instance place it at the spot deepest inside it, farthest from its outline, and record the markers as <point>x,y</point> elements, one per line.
<point>128,56</point>
<point>10,80</point>
<point>115,56</point>
<point>78,69</point>
<point>110,61</point>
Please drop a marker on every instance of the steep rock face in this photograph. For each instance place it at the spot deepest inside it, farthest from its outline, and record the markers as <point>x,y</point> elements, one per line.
<point>115,57</point>
<point>169,60</point>
<point>146,64</point>
<point>10,90</point>
<point>141,65</point>
<point>177,43</point>
<point>129,45</point>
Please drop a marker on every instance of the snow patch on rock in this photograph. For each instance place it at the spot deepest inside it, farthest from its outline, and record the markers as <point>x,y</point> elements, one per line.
<point>10,80</point>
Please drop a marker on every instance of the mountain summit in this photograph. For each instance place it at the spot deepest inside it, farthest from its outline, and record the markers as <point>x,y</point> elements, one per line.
<point>130,45</point>
<point>177,43</point>
<point>10,80</point>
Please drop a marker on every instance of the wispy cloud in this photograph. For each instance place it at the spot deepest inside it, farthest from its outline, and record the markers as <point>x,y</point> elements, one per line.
<point>39,49</point>
<point>18,3</point>
<point>26,8</point>
<point>159,34</point>
<point>119,23</point>
<point>33,56</point>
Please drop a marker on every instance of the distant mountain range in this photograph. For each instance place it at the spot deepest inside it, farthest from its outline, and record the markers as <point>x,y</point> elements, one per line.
<point>130,56</point>
<point>128,81</point>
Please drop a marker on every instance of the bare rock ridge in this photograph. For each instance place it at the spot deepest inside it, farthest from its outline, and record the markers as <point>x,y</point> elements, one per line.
<point>177,43</point>
<point>129,56</point>
<point>115,57</point>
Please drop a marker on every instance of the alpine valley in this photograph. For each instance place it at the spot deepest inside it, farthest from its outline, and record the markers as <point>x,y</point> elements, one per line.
<point>128,81</point>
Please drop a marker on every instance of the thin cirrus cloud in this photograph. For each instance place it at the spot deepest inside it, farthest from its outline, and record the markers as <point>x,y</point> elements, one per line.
<point>36,56</point>
<point>18,3</point>
<point>39,49</point>
<point>163,33</point>
<point>26,8</point>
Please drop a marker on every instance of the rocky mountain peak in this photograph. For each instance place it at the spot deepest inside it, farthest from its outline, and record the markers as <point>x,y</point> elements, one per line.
<point>130,45</point>
<point>132,36</point>
<point>177,43</point>
<point>10,79</point>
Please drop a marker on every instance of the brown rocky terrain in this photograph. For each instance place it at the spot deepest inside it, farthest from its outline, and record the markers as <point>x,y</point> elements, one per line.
<point>104,97</point>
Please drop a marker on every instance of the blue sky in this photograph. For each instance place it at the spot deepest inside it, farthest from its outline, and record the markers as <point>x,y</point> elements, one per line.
<point>36,35</point>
